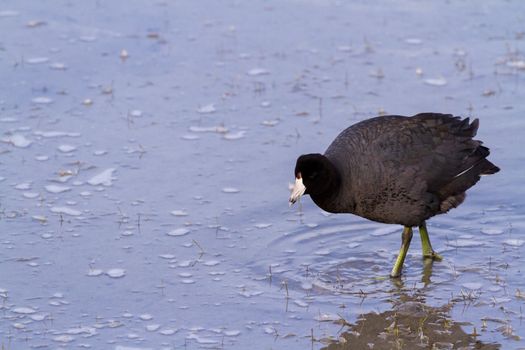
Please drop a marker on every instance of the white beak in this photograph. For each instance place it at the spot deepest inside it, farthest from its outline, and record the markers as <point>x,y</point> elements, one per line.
<point>297,191</point>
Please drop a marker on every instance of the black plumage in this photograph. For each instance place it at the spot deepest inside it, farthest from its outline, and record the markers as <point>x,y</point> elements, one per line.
<point>397,169</point>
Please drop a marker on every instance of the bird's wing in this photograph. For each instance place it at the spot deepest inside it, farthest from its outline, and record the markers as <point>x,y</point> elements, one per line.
<point>434,147</point>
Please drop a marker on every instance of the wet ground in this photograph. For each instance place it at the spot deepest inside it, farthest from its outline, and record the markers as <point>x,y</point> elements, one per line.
<point>146,151</point>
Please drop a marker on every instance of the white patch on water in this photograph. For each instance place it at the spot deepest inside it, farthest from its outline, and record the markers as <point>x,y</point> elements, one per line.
<point>327,317</point>
<point>17,140</point>
<point>38,317</point>
<point>37,60</point>
<point>137,113</point>
<point>88,331</point>
<point>178,232</point>
<point>190,137</point>
<point>168,331</point>
<point>492,231</point>
<point>202,340</point>
<point>104,178</point>
<point>58,66</point>
<point>23,186</point>
<point>514,242</point>
<point>53,134</point>
<point>258,71</point>
<point>64,339</point>
<point>518,64</point>
<point>413,41</point>
<point>42,100</point>
<point>262,225</point>
<point>167,256</point>
<point>436,81</point>
<point>24,310</point>
<point>232,333</point>
<point>234,135</point>
<point>66,148</point>
<point>270,122</point>
<point>207,109</point>
<point>146,317</point>
<point>215,129</point>
<point>42,158</point>
<point>116,273</point>
<point>152,327</point>
<point>211,263</point>
<point>230,190</point>
<point>464,243</point>
<point>179,213</point>
<point>94,272</point>
<point>65,210</point>
<point>57,188</point>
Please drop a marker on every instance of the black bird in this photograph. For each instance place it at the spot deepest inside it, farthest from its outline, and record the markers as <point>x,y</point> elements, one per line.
<point>397,170</point>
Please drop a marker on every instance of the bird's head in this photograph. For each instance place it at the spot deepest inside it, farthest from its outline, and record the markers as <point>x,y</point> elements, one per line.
<point>314,174</point>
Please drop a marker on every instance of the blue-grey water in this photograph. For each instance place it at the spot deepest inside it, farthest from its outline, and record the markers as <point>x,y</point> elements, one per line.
<point>146,149</point>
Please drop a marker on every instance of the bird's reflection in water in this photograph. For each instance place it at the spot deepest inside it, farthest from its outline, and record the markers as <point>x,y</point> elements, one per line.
<point>410,324</point>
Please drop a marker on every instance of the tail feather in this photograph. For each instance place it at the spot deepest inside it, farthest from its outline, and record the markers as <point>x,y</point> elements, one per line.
<point>467,179</point>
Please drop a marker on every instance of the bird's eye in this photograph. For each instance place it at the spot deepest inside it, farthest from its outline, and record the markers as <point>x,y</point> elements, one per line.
<point>313,175</point>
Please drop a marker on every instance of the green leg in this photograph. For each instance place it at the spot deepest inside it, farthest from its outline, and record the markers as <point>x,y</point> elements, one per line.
<point>405,244</point>
<point>428,252</point>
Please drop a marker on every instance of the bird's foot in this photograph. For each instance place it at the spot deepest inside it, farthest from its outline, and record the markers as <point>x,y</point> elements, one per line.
<point>432,256</point>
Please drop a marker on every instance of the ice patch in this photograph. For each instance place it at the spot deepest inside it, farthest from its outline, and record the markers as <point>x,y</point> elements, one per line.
<point>116,273</point>
<point>168,331</point>
<point>230,190</point>
<point>258,71</point>
<point>514,242</point>
<point>64,339</point>
<point>516,64</point>
<point>51,134</point>
<point>65,210</point>
<point>262,225</point>
<point>179,213</point>
<point>234,135</point>
<point>436,81</point>
<point>492,231</point>
<point>94,272</point>
<point>207,109</point>
<point>152,327</point>
<point>413,41</point>
<point>42,100</point>
<point>178,232</point>
<point>23,186</point>
<point>464,243</point>
<point>57,188</point>
<point>37,60</point>
<point>24,310</point>
<point>66,148</point>
<point>58,66</point>
<point>17,140</point>
<point>216,129</point>
<point>104,178</point>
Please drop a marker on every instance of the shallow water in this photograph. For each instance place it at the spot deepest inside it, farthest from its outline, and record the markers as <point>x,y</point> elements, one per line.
<point>147,147</point>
